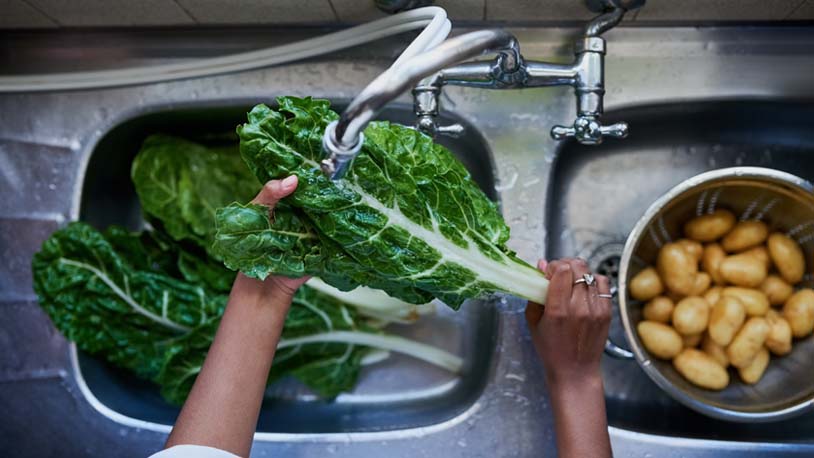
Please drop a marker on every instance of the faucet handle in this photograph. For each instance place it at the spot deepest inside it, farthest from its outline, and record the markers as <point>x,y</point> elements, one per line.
<point>427,125</point>
<point>589,131</point>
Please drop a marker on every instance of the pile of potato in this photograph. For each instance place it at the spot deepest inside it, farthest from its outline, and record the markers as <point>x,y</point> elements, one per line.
<point>709,300</point>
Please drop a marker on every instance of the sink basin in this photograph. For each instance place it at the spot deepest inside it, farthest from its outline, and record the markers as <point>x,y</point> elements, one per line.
<point>597,194</point>
<point>395,394</point>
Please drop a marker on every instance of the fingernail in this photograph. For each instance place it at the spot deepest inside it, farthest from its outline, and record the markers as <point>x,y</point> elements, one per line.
<point>289,182</point>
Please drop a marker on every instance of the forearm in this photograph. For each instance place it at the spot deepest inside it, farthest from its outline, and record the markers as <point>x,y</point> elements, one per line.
<point>224,403</point>
<point>579,410</point>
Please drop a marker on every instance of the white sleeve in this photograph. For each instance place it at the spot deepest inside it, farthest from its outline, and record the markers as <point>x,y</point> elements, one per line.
<point>192,451</point>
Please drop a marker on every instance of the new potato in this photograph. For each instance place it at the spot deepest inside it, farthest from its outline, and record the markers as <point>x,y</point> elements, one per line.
<point>745,234</point>
<point>799,312</point>
<point>646,285</point>
<point>776,289</point>
<point>752,372</point>
<point>787,256</point>
<point>743,270</point>
<point>748,342</point>
<point>660,340</point>
<point>659,309</point>
<point>691,315</point>
<point>677,268</point>
<point>779,339</point>
<point>708,228</point>
<point>701,369</point>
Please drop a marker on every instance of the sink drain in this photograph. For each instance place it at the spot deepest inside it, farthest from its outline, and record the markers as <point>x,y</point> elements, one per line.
<point>605,259</point>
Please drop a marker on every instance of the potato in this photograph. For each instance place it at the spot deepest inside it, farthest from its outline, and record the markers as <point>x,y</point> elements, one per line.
<point>787,257</point>
<point>799,312</point>
<point>713,295</point>
<point>646,285</point>
<point>754,371</point>
<point>708,228</point>
<point>779,339</point>
<point>659,309</point>
<point>693,248</point>
<point>748,342</point>
<point>726,318</point>
<point>691,315</point>
<point>717,352</point>
<point>701,369</point>
<point>743,270</point>
<point>677,268</point>
<point>692,340</point>
<point>760,252</point>
<point>700,284</point>
<point>660,340</point>
<point>745,234</point>
<point>754,301</point>
<point>711,261</point>
<point>776,289</point>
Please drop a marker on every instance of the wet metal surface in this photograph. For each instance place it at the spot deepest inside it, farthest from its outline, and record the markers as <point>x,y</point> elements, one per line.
<point>46,141</point>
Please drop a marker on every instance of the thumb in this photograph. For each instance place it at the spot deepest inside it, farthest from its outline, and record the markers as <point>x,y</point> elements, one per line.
<point>275,190</point>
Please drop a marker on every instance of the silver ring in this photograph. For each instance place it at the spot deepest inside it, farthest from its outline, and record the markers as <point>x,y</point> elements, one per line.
<point>607,296</point>
<point>588,279</point>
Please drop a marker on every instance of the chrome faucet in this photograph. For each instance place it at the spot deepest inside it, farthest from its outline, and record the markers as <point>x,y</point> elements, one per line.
<point>431,71</point>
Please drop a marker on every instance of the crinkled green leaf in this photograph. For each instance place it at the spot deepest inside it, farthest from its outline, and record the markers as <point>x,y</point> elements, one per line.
<point>407,217</point>
<point>108,307</point>
<point>181,184</point>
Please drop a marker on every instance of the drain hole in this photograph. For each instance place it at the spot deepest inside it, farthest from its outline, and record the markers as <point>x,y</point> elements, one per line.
<point>605,260</point>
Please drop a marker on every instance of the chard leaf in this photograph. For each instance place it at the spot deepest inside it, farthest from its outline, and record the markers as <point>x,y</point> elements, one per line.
<point>407,218</point>
<point>181,184</point>
<point>99,300</point>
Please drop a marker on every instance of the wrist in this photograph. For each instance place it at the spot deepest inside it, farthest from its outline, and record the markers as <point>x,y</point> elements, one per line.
<point>560,382</point>
<point>265,295</point>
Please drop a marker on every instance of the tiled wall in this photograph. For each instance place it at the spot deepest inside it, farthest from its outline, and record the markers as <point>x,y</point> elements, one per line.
<point>89,13</point>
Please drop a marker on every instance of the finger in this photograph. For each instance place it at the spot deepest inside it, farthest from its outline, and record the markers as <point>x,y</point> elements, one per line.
<point>579,296</point>
<point>559,288</point>
<point>542,265</point>
<point>275,190</point>
<point>549,268</point>
<point>603,305</point>
<point>534,312</point>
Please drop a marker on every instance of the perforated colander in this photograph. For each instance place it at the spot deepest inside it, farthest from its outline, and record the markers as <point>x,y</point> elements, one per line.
<point>783,201</point>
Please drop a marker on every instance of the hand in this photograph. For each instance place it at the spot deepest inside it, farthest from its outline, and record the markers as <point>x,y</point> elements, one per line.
<point>271,193</point>
<point>569,332</point>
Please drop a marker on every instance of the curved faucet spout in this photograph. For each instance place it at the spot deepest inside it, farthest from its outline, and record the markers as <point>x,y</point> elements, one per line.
<point>342,140</point>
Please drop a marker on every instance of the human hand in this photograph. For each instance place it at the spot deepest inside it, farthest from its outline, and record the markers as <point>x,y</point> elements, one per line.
<point>569,332</point>
<point>274,285</point>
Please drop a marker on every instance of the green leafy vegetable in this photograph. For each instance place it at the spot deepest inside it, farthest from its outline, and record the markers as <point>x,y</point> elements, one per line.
<point>129,298</point>
<point>108,306</point>
<point>407,218</point>
<point>182,183</point>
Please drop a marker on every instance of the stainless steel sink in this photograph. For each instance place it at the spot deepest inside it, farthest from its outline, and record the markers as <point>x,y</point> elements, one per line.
<point>601,193</point>
<point>398,393</point>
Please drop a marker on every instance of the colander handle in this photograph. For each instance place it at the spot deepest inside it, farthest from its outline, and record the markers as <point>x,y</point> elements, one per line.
<point>613,350</point>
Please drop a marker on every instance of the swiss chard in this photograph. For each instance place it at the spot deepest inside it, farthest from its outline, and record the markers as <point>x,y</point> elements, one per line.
<point>407,218</point>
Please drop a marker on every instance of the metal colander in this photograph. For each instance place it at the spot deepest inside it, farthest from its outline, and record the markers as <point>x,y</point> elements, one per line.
<point>783,201</point>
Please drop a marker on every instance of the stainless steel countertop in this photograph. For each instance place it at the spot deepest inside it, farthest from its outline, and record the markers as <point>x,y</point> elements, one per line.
<point>46,139</point>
